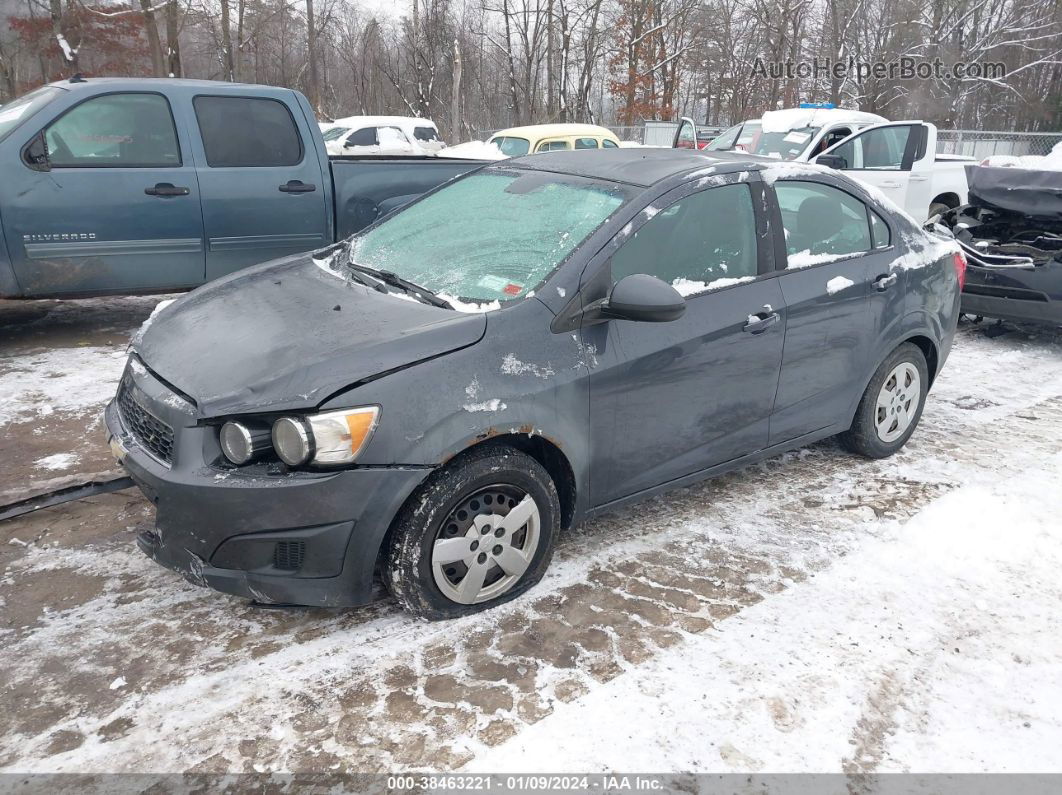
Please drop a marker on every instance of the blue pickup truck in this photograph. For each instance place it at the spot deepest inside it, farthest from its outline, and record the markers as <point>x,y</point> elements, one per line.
<point>115,185</point>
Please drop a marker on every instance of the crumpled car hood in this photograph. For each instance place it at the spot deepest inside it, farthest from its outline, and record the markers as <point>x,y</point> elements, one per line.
<point>288,335</point>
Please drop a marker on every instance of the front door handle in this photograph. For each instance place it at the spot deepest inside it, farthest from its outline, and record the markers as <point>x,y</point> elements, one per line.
<point>297,186</point>
<point>761,321</point>
<point>883,283</point>
<point>166,189</point>
<point>891,184</point>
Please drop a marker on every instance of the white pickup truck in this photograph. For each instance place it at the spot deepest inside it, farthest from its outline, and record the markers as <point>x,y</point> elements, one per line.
<point>899,158</point>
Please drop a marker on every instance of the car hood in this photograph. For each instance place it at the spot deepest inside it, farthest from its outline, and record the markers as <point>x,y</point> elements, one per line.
<point>290,334</point>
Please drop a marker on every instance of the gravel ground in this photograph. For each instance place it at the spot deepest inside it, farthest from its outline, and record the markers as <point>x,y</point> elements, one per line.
<point>114,664</point>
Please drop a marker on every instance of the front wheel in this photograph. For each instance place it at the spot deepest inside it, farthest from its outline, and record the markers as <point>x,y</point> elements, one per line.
<point>478,533</point>
<point>891,406</point>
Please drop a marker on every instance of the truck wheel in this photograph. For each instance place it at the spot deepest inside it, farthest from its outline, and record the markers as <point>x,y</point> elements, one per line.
<point>476,534</point>
<point>891,406</point>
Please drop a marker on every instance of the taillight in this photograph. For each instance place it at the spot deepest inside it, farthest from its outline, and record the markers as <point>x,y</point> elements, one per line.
<point>960,268</point>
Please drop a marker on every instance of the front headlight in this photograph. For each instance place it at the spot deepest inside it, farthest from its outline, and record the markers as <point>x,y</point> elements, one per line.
<point>329,439</point>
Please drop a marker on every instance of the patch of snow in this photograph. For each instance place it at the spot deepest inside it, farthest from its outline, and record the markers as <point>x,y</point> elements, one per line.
<point>151,319</point>
<point>1052,161</point>
<point>513,366</point>
<point>117,683</point>
<point>688,287</point>
<point>924,249</point>
<point>789,170</point>
<point>65,380</point>
<point>805,259</point>
<point>57,461</point>
<point>838,283</point>
<point>932,648</point>
<point>469,306</point>
<point>494,404</point>
<point>473,150</point>
<point>561,292</point>
<point>780,121</point>
<point>68,51</point>
<point>472,390</point>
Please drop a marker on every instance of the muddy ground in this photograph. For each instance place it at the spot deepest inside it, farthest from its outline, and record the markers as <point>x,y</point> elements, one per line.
<point>111,663</point>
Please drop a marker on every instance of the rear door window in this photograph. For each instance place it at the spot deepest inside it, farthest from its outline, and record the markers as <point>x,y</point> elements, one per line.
<point>268,135</point>
<point>821,223</point>
<point>607,144</point>
<point>879,230</point>
<point>115,130</point>
<point>704,241</point>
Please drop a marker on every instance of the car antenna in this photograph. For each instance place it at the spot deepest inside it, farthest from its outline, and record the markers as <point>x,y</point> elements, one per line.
<point>78,78</point>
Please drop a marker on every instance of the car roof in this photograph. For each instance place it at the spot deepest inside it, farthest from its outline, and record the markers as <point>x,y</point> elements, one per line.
<point>383,121</point>
<point>535,131</point>
<point>642,166</point>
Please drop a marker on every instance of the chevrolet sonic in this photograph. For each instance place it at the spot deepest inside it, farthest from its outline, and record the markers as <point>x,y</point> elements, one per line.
<point>436,398</point>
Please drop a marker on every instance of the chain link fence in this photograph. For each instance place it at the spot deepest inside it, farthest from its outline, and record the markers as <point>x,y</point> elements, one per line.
<point>984,143</point>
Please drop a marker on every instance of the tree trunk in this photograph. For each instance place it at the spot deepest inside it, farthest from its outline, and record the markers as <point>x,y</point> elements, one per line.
<point>455,97</point>
<point>173,44</point>
<point>68,48</point>
<point>226,41</point>
<point>311,41</point>
<point>151,30</point>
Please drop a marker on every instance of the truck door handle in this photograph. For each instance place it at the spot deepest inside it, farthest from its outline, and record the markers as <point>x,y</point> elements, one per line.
<point>891,184</point>
<point>918,178</point>
<point>761,321</point>
<point>166,189</point>
<point>883,283</point>
<point>297,186</point>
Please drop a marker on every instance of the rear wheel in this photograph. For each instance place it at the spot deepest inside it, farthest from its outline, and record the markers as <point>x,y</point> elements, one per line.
<point>478,533</point>
<point>891,406</point>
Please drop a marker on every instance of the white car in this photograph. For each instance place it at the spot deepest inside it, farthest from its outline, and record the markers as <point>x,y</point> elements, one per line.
<point>790,134</point>
<point>383,135</point>
<point>900,159</point>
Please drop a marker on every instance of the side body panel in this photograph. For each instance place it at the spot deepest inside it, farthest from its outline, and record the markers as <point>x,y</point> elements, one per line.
<point>87,230</point>
<point>249,213</point>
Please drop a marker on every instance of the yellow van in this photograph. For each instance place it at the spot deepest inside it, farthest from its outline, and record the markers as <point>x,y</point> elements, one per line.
<point>517,141</point>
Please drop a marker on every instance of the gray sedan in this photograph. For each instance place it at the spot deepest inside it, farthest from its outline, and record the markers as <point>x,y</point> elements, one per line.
<point>437,398</point>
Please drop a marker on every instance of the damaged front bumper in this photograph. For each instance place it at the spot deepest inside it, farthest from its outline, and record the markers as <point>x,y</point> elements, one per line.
<point>302,538</point>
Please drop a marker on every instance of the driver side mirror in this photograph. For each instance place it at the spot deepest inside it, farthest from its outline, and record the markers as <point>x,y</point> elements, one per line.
<point>643,298</point>
<point>832,161</point>
<point>35,154</point>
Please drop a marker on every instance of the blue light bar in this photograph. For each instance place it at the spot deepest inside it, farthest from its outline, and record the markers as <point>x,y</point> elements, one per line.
<point>823,105</point>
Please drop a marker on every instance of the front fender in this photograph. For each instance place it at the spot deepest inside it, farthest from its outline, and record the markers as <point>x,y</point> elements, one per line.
<point>520,379</point>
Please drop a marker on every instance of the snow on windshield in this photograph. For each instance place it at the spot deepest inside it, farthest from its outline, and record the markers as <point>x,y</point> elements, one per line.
<point>491,236</point>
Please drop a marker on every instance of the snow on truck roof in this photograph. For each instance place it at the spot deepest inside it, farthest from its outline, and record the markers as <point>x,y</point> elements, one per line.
<point>794,118</point>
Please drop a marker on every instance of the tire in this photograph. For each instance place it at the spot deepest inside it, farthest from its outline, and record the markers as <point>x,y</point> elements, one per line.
<point>937,208</point>
<point>469,500</point>
<point>876,433</point>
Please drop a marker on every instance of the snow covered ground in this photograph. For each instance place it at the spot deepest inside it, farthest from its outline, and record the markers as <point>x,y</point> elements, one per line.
<point>817,612</point>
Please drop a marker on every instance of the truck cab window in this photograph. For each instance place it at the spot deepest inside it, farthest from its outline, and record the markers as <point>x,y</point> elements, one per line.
<point>270,136</point>
<point>128,130</point>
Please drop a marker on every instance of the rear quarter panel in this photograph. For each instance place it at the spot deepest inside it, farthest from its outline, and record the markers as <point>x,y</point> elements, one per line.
<point>8,283</point>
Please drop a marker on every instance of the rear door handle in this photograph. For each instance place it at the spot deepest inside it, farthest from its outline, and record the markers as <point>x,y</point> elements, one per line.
<point>883,283</point>
<point>166,189</point>
<point>297,186</point>
<point>761,321</point>
<point>891,184</point>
